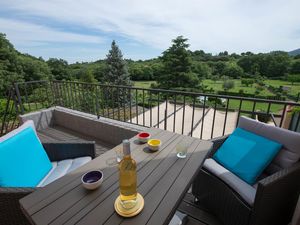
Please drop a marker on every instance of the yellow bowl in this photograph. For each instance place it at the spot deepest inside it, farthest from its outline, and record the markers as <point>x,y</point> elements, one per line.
<point>154,144</point>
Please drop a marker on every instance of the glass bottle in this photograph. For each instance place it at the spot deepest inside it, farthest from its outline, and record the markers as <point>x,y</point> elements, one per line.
<point>128,178</point>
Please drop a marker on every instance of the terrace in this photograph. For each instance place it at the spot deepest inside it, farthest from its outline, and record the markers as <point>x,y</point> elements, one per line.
<point>77,112</point>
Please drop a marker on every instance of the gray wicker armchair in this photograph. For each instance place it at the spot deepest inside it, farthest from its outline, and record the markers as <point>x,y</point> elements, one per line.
<point>275,198</point>
<point>10,211</point>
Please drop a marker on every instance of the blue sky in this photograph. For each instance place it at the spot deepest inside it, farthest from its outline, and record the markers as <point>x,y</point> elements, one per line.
<point>82,30</point>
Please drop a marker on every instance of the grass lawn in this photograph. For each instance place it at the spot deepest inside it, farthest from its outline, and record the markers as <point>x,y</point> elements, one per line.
<point>248,106</point>
<point>218,86</point>
<point>295,88</point>
<point>143,84</point>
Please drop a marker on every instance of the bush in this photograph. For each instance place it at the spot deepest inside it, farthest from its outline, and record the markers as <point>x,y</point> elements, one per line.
<point>228,84</point>
<point>247,82</point>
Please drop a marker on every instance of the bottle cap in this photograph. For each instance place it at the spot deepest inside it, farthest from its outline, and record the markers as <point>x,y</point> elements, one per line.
<point>126,147</point>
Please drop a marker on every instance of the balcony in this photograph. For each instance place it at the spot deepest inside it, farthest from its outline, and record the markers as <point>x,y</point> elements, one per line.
<point>107,114</point>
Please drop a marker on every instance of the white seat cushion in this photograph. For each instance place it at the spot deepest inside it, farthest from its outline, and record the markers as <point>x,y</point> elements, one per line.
<point>63,167</point>
<point>246,191</point>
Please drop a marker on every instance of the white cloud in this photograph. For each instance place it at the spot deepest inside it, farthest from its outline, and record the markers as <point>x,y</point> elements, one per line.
<point>31,35</point>
<point>215,25</point>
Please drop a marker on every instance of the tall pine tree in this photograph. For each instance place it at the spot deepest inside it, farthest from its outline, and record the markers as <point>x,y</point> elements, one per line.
<point>116,68</point>
<point>177,66</point>
<point>116,73</point>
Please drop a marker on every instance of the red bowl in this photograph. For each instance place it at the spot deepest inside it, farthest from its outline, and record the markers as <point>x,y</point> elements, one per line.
<point>143,137</point>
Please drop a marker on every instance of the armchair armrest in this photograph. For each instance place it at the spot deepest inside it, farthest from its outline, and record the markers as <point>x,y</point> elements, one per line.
<point>217,142</point>
<point>62,150</point>
<point>276,197</point>
<point>10,210</point>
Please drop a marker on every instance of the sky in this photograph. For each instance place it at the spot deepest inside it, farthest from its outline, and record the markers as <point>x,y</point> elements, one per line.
<point>82,30</point>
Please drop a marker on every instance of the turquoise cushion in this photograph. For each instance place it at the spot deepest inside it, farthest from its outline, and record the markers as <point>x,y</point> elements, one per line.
<point>23,160</point>
<point>246,154</point>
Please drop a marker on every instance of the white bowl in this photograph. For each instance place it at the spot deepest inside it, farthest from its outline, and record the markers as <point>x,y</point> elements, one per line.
<point>92,179</point>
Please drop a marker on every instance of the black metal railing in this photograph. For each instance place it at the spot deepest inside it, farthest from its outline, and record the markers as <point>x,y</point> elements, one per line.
<point>199,115</point>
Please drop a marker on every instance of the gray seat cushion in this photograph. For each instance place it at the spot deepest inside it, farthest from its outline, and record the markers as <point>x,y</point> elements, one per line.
<point>63,167</point>
<point>246,191</point>
<point>290,152</point>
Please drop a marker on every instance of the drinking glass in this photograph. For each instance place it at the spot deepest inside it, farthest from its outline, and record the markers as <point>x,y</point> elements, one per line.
<point>112,161</point>
<point>181,149</point>
<point>119,154</point>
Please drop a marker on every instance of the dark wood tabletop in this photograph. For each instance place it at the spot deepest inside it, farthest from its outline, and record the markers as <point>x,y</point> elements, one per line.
<point>163,180</point>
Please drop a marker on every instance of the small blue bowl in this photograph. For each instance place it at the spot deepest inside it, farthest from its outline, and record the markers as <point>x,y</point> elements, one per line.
<point>92,179</point>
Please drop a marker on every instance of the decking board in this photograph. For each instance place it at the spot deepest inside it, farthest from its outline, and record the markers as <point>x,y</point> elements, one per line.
<point>58,133</point>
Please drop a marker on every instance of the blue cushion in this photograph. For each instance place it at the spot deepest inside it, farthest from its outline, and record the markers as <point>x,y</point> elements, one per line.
<point>23,160</point>
<point>246,154</point>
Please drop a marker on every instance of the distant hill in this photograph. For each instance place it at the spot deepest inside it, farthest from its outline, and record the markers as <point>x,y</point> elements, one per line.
<point>295,52</point>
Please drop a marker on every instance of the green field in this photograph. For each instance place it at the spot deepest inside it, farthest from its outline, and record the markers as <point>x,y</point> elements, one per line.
<point>218,86</point>
<point>294,89</point>
<point>246,105</point>
<point>143,84</point>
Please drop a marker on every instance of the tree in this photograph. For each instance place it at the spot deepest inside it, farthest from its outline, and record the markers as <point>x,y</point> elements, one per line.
<point>293,78</point>
<point>201,69</point>
<point>116,69</point>
<point>177,66</point>
<point>278,63</point>
<point>233,70</point>
<point>295,67</point>
<point>10,68</point>
<point>34,69</point>
<point>247,82</point>
<point>87,76</point>
<point>59,68</point>
<point>116,73</point>
<point>218,67</point>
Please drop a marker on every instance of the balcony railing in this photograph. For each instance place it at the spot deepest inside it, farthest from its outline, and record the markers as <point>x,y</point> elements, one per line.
<point>199,115</point>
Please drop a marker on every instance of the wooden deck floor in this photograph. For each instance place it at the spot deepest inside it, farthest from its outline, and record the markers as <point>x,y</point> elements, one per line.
<point>58,133</point>
<point>196,216</point>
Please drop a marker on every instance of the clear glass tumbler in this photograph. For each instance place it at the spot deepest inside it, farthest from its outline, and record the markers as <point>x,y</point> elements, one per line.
<point>181,149</point>
<point>119,154</point>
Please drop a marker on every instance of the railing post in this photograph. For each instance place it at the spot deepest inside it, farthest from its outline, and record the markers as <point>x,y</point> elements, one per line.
<point>165,121</point>
<point>5,112</point>
<point>19,98</point>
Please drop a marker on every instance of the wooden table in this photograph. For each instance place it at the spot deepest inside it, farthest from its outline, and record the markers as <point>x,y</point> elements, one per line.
<point>163,179</point>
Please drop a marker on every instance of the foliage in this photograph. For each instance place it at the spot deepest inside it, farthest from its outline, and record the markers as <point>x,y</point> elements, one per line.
<point>34,69</point>
<point>116,71</point>
<point>274,64</point>
<point>87,76</point>
<point>247,82</point>
<point>177,66</point>
<point>293,78</point>
<point>295,67</point>
<point>10,68</point>
<point>233,70</point>
<point>228,84</point>
<point>202,70</point>
<point>59,69</point>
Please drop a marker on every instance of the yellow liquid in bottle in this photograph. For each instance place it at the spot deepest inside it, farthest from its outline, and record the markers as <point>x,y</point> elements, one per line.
<point>128,179</point>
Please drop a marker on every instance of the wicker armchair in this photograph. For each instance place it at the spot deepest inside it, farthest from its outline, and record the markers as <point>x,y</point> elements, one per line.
<point>10,211</point>
<point>275,198</point>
